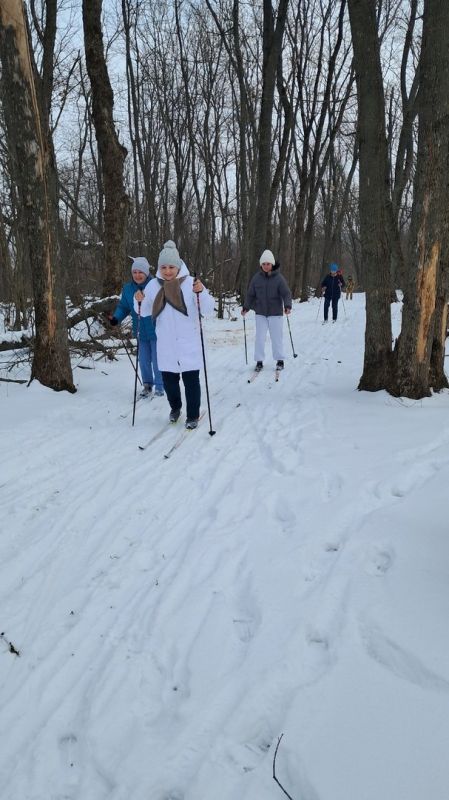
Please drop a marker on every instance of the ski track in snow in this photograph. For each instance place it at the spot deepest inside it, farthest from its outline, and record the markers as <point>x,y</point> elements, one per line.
<point>148,598</point>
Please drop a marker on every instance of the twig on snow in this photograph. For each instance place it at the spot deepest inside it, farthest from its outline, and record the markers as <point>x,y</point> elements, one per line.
<point>274,769</point>
<point>11,647</point>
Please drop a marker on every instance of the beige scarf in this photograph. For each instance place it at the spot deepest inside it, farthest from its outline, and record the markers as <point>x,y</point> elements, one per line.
<point>171,293</point>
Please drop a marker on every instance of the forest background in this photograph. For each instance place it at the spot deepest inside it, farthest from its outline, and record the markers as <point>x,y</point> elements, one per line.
<point>318,128</point>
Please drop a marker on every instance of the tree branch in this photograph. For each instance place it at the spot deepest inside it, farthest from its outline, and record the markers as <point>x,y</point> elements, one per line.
<point>274,769</point>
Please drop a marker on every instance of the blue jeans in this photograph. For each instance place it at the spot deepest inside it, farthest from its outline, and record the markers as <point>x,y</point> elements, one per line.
<point>148,364</point>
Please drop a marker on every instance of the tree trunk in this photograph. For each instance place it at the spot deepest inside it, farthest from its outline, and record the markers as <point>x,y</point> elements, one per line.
<point>373,195</point>
<point>30,146</point>
<point>112,153</point>
<point>430,219</point>
<point>438,379</point>
<point>272,44</point>
<point>6,281</point>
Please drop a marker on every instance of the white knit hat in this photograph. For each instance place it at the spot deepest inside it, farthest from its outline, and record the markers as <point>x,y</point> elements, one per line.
<point>169,256</point>
<point>267,257</point>
<point>141,264</point>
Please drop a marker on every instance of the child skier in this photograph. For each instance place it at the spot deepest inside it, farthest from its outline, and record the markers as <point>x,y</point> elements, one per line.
<point>171,300</point>
<point>331,288</point>
<point>144,328</point>
<point>269,296</point>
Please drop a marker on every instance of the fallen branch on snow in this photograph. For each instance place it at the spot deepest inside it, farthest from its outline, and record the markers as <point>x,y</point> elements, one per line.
<point>10,645</point>
<point>274,769</point>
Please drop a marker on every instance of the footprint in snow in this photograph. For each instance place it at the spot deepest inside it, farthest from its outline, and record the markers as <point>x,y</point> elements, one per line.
<point>379,560</point>
<point>318,657</point>
<point>68,747</point>
<point>332,547</point>
<point>247,616</point>
<point>332,486</point>
<point>285,514</point>
<point>245,757</point>
<point>244,628</point>
<point>399,661</point>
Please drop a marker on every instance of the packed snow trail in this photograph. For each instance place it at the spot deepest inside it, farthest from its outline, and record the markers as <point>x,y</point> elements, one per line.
<point>173,617</point>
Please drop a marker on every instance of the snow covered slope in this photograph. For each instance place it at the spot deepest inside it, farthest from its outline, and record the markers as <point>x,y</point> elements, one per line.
<point>175,617</point>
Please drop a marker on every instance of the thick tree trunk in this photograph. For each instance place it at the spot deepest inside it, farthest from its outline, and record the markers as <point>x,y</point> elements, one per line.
<point>373,196</point>
<point>429,229</point>
<point>113,154</point>
<point>31,153</point>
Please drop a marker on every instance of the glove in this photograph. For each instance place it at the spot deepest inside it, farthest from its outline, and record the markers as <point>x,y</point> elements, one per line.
<point>112,321</point>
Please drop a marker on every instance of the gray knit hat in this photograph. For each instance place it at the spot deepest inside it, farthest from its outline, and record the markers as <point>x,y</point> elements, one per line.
<point>169,256</point>
<point>140,263</point>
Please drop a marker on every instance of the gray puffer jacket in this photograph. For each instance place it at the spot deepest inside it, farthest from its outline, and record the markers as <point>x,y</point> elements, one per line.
<point>268,293</point>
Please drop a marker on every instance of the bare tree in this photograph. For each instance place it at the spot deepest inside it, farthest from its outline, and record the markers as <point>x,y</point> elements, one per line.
<point>374,195</point>
<point>272,38</point>
<point>112,153</point>
<point>26,101</point>
<point>430,217</point>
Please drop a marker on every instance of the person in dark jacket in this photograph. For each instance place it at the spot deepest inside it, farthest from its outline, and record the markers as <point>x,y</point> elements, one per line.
<point>269,296</point>
<point>151,375</point>
<point>331,288</point>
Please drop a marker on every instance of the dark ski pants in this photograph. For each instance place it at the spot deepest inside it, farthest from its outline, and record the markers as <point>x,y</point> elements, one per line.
<point>191,381</point>
<point>327,302</point>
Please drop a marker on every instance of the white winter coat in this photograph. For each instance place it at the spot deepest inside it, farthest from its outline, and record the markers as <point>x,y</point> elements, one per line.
<point>178,337</point>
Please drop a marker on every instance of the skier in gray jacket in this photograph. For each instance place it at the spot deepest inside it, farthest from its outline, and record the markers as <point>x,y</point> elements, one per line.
<point>269,296</point>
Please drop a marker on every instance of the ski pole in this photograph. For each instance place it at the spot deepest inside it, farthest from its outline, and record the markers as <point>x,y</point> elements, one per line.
<point>211,432</point>
<point>295,355</point>
<point>244,332</point>
<point>344,307</point>
<point>319,306</point>
<point>131,361</point>
<point>137,360</point>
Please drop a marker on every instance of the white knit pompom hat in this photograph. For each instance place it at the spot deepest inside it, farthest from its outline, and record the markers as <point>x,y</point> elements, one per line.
<point>169,256</point>
<point>267,257</point>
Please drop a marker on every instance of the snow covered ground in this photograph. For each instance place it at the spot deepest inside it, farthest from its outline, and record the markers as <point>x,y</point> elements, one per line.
<point>289,575</point>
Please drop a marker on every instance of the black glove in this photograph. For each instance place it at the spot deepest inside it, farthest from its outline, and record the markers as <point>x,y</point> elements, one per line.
<point>113,321</point>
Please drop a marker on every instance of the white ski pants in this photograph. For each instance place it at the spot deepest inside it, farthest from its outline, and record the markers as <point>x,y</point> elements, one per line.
<point>275,325</point>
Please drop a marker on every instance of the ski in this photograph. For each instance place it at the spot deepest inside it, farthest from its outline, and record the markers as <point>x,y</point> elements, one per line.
<point>138,400</point>
<point>157,435</point>
<point>254,375</point>
<point>182,437</point>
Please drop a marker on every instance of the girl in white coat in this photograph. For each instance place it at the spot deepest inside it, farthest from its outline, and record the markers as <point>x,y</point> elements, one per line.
<point>171,300</point>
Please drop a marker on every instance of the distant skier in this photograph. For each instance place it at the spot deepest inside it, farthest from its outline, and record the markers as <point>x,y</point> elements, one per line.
<point>270,297</point>
<point>171,300</point>
<point>331,288</point>
<point>151,376</point>
<point>349,287</point>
